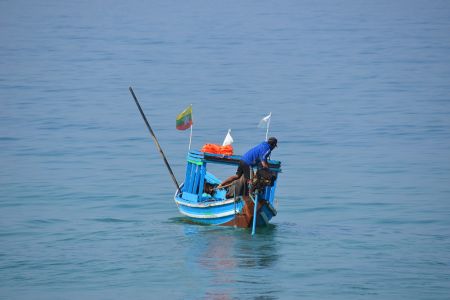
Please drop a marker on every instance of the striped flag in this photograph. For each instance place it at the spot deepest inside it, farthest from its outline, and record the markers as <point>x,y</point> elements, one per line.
<point>184,120</point>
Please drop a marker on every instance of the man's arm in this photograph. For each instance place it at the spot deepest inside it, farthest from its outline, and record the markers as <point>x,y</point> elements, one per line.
<point>264,158</point>
<point>227,181</point>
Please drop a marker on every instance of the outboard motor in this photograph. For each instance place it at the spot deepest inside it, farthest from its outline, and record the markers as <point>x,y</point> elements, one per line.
<point>264,177</point>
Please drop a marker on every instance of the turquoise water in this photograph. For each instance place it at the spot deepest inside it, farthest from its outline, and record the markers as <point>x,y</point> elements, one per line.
<point>360,97</point>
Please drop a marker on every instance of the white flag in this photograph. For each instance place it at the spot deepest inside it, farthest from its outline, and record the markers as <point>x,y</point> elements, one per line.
<point>264,121</point>
<point>228,139</point>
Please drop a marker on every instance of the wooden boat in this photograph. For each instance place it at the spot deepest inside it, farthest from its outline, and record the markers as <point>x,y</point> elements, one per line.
<point>219,208</point>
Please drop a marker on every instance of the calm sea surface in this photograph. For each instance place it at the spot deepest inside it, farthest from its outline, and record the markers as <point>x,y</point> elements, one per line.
<point>360,97</point>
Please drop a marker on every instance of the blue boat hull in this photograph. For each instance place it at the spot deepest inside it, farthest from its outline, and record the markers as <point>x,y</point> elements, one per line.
<point>198,200</point>
<point>225,212</point>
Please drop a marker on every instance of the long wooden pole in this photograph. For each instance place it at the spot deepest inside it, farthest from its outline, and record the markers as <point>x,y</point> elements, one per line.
<point>155,139</point>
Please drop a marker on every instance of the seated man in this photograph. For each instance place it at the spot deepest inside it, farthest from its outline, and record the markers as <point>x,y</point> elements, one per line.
<point>209,188</point>
<point>241,188</point>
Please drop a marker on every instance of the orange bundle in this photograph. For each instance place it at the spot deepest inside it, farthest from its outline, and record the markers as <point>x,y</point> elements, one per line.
<point>217,149</point>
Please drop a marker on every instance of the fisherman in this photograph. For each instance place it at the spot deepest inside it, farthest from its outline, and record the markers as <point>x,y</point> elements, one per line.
<point>257,155</point>
<point>209,188</point>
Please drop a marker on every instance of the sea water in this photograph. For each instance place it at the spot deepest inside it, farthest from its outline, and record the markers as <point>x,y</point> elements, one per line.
<point>360,98</point>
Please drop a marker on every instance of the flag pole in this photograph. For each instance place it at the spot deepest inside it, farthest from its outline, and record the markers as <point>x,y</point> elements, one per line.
<point>155,139</point>
<point>190,136</point>
<point>268,125</point>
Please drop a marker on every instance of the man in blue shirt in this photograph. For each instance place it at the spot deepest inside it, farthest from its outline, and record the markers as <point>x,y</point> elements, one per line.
<point>253,157</point>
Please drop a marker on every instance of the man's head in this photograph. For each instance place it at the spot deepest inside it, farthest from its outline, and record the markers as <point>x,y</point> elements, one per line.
<point>208,188</point>
<point>272,141</point>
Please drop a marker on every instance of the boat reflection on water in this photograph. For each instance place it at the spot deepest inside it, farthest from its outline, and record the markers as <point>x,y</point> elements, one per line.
<point>231,260</point>
<point>258,253</point>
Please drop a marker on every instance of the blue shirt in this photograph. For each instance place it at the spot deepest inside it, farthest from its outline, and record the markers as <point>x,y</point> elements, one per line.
<point>257,154</point>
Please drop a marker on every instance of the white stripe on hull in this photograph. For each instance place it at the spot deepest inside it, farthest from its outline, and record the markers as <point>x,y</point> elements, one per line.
<point>203,205</point>
<point>209,216</point>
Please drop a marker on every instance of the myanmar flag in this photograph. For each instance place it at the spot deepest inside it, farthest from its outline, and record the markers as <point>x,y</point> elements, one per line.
<point>184,120</point>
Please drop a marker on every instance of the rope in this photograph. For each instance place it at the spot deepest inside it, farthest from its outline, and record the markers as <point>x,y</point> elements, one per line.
<point>225,186</point>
